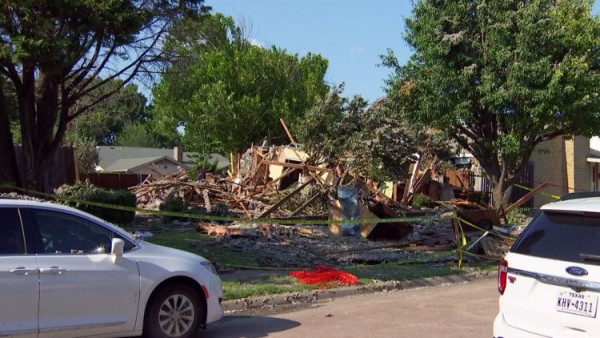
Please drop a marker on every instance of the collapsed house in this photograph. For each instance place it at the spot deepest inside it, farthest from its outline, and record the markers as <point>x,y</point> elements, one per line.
<point>288,184</point>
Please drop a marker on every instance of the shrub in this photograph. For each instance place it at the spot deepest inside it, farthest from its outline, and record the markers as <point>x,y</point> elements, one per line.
<point>196,210</point>
<point>72,194</point>
<point>220,209</point>
<point>81,192</point>
<point>172,203</point>
<point>420,200</point>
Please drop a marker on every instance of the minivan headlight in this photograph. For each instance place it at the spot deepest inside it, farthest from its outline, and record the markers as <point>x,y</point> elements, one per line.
<point>208,266</point>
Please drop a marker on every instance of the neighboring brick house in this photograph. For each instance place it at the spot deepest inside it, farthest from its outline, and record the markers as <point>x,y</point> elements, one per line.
<point>571,165</point>
<point>157,162</point>
<point>567,165</point>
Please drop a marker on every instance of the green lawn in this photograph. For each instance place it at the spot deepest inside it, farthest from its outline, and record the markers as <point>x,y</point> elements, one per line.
<point>279,281</point>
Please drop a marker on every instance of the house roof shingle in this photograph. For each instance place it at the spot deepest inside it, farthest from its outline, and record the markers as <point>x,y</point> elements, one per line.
<point>113,158</point>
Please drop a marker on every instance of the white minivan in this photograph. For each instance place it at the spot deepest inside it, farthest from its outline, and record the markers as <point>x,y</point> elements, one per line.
<point>65,273</point>
<point>549,281</point>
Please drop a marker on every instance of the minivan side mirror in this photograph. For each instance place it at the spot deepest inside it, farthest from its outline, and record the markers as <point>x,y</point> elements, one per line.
<point>117,248</point>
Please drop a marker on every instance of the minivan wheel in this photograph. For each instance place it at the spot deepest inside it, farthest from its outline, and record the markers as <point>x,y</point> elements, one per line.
<point>176,311</point>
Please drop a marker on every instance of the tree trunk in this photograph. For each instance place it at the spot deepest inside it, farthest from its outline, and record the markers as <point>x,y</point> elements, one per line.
<point>9,173</point>
<point>500,192</point>
<point>38,123</point>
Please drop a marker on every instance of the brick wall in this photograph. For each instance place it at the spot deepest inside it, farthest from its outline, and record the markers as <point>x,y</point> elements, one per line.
<point>549,166</point>
<point>582,170</point>
<point>562,163</point>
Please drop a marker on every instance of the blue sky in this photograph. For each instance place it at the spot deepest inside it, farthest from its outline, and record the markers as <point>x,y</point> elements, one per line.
<point>351,34</point>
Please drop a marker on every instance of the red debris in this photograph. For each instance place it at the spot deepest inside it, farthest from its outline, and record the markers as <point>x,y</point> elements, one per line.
<point>324,276</point>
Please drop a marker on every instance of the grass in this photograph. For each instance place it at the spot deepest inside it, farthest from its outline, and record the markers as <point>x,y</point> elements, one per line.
<point>267,285</point>
<point>278,281</point>
<point>205,246</point>
<point>368,274</point>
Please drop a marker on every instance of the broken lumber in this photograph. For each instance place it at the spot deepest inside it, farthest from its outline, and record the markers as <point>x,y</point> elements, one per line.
<point>287,132</point>
<point>525,198</point>
<point>306,204</point>
<point>285,198</point>
<point>299,166</point>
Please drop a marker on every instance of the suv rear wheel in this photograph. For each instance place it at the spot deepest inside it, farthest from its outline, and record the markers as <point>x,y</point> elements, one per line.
<point>176,311</point>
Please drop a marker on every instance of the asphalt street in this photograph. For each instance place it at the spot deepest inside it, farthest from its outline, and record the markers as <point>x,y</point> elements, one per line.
<point>460,310</point>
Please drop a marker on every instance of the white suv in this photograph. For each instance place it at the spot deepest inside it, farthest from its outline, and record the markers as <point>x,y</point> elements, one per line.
<point>65,273</point>
<point>549,282</point>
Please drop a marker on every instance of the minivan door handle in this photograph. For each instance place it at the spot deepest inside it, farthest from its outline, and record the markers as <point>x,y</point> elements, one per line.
<point>53,270</point>
<point>21,270</point>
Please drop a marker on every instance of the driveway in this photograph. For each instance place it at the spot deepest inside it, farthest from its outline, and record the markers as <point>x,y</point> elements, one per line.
<point>461,310</point>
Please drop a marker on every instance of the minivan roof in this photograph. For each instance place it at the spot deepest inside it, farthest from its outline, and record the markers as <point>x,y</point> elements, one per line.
<point>22,203</point>
<point>590,204</point>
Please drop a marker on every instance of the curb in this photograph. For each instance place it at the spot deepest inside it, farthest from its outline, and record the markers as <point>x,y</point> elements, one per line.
<point>314,296</point>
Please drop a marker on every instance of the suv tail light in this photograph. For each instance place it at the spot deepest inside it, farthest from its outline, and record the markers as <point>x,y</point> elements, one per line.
<point>502,275</point>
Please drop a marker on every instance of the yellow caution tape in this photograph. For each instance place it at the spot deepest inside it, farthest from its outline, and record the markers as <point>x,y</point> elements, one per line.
<point>478,228</point>
<point>225,218</point>
<point>459,250</point>
<point>541,192</point>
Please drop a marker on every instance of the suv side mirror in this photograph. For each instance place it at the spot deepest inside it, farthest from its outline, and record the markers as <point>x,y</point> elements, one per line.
<point>117,248</point>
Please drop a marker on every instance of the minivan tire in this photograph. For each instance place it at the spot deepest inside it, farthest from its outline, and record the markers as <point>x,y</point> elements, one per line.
<point>174,312</point>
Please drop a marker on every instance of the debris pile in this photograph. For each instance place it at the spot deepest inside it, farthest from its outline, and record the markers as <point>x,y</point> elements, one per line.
<point>204,192</point>
<point>285,246</point>
<point>288,184</point>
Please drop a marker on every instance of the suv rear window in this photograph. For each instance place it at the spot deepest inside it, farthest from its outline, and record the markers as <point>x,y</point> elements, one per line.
<point>561,236</point>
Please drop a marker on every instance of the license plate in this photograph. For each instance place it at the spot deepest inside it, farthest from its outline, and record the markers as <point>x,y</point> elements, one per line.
<point>577,303</point>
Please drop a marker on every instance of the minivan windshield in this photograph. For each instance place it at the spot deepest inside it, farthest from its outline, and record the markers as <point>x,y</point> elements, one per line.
<point>573,237</point>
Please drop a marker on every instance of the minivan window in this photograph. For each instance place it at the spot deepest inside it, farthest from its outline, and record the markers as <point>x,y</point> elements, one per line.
<point>12,241</point>
<point>562,236</point>
<point>63,233</point>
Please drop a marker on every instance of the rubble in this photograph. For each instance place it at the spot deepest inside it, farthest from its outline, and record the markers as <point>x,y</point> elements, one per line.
<point>284,246</point>
<point>286,183</point>
<point>254,191</point>
<point>259,187</point>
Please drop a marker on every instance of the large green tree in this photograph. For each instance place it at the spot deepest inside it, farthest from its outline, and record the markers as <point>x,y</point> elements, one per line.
<point>370,140</point>
<point>225,93</point>
<point>499,77</point>
<point>103,122</point>
<point>53,52</point>
<point>135,134</point>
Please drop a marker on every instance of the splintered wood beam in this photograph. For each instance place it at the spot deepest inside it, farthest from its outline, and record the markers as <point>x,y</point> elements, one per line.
<point>525,198</point>
<point>255,173</point>
<point>286,173</point>
<point>307,203</point>
<point>317,178</point>
<point>289,135</point>
<point>285,198</point>
<point>299,166</point>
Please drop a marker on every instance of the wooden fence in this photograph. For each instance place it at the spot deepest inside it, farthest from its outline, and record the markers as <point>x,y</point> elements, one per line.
<point>63,167</point>
<point>115,180</point>
<point>469,181</point>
